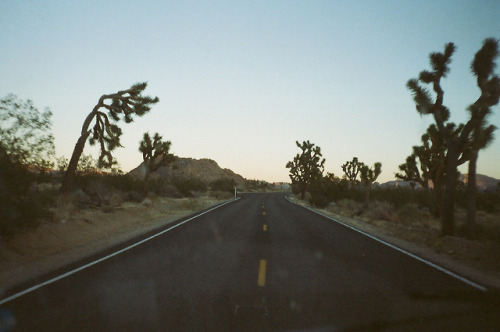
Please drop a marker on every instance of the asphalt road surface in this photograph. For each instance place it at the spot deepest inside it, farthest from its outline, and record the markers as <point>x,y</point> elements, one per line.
<point>259,263</point>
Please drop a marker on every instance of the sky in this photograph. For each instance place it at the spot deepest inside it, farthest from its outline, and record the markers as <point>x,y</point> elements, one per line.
<point>240,81</point>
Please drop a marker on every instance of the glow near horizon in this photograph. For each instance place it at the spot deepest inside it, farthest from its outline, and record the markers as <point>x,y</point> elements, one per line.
<point>241,82</point>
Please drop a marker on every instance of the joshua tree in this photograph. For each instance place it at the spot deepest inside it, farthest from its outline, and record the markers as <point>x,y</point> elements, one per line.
<point>306,167</point>
<point>411,172</point>
<point>430,165</point>
<point>456,140</point>
<point>155,154</point>
<point>482,135</point>
<point>368,176</point>
<point>105,131</point>
<point>351,170</point>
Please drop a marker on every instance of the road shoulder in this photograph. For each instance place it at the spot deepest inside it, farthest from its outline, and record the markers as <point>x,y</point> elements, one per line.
<point>52,246</point>
<point>401,237</point>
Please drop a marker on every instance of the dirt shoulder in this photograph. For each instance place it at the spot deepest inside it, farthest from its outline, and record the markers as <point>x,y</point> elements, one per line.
<point>86,232</point>
<point>477,261</point>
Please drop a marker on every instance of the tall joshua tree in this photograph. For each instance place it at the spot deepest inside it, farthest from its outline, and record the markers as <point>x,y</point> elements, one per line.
<point>368,176</point>
<point>351,170</point>
<point>155,154</point>
<point>306,167</point>
<point>482,135</point>
<point>455,141</point>
<point>105,132</point>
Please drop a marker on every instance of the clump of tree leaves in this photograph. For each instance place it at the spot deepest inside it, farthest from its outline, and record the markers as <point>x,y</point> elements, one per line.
<point>26,151</point>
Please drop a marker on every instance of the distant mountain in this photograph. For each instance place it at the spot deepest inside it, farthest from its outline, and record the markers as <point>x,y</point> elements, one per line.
<point>398,183</point>
<point>206,170</point>
<point>483,182</point>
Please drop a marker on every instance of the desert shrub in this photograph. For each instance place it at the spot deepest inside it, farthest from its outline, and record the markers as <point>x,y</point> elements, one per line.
<point>320,192</point>
<point>320,201</point>
<point>349,207</point>
<point>295,189</point>
<point>328,189</point>
<point>381,211</point>
<point>21,206</point>
<point>166,189</point>
<point>410,213</point>
<point>25,132</point>
<point>226,185</point>
<point>340,190</point>
<point>489,201</point>
<point>120,182</point>
<point>190,204</point>
<point>253,185</point>
<point>221,194</point>
<point>124,182</point>
<point>187,186</point>
<point>399,196</point>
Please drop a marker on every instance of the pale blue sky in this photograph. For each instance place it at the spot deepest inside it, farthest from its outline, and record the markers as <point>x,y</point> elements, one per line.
<point>239,82</point>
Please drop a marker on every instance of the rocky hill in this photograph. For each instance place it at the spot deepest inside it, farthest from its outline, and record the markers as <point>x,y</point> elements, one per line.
<point>206,170</point>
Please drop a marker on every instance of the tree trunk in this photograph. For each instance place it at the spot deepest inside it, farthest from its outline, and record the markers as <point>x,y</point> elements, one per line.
<point>367,195</point>
<point>471,197</point>
<point>146,182</point>
<point>438,200</point>
<point>69,176</point>
<point>448,218</point>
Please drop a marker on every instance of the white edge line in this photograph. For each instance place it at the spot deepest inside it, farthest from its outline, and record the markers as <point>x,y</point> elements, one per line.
<point>440,268</point>
<point>83,267</point>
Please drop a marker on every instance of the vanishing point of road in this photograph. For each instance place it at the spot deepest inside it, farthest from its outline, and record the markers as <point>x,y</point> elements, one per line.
<point>259,263</point>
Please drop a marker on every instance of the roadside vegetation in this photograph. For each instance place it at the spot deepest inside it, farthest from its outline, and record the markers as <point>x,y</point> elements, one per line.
<point>43,226</point>
<point>433,191</point>
<point>36,187</point>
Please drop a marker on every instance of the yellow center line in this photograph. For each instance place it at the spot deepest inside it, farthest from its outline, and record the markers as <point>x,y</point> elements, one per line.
<point>261,280</point>
<point>263,213</point>
<point>264,228</point>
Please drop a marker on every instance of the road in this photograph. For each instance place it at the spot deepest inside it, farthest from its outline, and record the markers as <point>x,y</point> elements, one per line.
<point>259,263</point>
